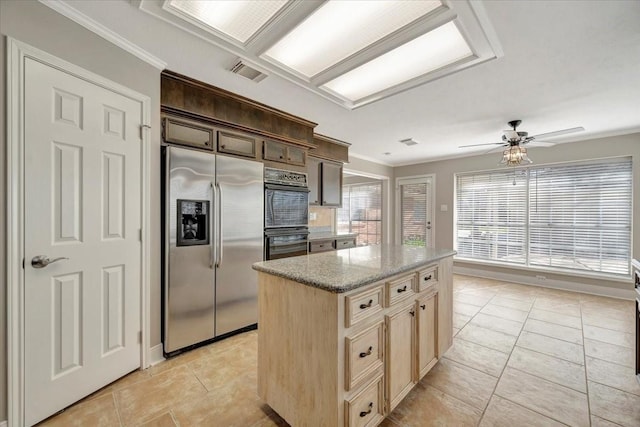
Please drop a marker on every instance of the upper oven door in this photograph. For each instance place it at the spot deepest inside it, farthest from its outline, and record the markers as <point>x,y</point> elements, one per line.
<point>285,206</point>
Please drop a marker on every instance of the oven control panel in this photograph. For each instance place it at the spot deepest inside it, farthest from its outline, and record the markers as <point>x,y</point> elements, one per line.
<point>283,177</point>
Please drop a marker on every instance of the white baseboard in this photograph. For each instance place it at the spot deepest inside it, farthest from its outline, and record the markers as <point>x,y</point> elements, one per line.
<point>155,355</point>
<point>628,294</point>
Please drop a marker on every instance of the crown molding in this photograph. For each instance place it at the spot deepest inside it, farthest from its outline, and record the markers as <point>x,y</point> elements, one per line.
<point>104,32</point>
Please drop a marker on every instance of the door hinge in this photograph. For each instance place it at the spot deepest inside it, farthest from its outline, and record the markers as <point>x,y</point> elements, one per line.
<point>142,127</point>
<point>140,234</point>
<point>139,337</point>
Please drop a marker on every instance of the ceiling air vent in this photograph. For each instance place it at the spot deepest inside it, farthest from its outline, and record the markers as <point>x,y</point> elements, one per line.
<point>248,72</point>
<point>409,142</point>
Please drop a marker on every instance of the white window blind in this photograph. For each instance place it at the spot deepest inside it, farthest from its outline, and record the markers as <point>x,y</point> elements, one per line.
<point>415,211</point>
<point>361,212</point>
<point>573,217</point>
<point>491,216</point>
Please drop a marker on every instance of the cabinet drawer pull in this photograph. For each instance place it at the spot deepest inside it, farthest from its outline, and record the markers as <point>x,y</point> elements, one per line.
<point>402,289</point>
<point>412,312</point>
<point>423,306</point>
<point>427,278</point>
<point>368,353</point>
<point>363,306</point>
<point>223,146</point>
<point>365,413</point>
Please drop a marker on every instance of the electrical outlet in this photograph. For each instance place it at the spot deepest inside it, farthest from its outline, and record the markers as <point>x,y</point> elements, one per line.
<point>541,277</point>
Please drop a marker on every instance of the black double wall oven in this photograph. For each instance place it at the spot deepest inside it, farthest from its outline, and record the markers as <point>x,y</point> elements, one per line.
<point>286,213</point>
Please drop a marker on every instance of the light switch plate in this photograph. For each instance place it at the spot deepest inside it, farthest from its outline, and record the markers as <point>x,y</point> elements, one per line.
<point>444,208</point>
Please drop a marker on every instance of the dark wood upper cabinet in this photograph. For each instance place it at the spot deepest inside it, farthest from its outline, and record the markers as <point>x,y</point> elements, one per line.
<point>284,153</point>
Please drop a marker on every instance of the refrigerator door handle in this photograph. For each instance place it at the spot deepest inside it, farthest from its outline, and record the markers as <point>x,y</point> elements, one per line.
<point>212,225</point>
<point>219,234</point>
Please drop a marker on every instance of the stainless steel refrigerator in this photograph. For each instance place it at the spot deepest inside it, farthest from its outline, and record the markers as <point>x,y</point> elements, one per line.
<point>213,232</point>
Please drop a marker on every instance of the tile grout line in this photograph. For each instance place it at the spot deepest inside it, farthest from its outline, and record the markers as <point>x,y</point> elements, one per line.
<point>586,374</point>
<point>493,392</point>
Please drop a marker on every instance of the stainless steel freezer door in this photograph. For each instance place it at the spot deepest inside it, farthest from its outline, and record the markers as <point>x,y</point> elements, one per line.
<point>189,301</point>
<point>240,242</point>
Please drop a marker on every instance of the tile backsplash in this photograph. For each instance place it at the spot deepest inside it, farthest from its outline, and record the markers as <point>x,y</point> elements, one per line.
<point>321,220</point>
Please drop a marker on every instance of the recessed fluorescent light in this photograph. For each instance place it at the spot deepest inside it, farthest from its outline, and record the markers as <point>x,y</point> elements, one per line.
<point>239,19</point>
<point>340,28</point>
<point>424,54</point>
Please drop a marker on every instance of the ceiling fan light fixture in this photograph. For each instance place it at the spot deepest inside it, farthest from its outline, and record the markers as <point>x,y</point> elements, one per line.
<point>515,156</point>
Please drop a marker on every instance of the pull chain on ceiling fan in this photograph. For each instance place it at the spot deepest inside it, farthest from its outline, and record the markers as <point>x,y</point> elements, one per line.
<point>516,154</point>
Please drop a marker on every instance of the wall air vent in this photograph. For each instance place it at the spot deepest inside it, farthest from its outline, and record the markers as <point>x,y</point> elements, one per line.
<point>247,71</point>
<point>408,142</point>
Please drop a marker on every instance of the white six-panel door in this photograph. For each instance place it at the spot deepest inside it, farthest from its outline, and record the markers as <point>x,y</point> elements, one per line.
<point>82,182</point>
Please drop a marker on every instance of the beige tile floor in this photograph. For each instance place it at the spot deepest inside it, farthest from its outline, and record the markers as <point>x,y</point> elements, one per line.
<point>522,356</point>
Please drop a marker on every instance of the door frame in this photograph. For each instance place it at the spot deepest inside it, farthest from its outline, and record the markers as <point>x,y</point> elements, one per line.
<point>17,53</point>
<point>398,212</point>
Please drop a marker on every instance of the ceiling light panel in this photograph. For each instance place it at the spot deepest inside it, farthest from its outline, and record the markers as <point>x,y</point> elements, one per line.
<point>340,28</point>
<point>429,52</point>
<point>239,19</point>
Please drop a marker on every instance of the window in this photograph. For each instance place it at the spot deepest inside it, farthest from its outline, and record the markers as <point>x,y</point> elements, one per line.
<point>361,212</point>
<point>572,217</point>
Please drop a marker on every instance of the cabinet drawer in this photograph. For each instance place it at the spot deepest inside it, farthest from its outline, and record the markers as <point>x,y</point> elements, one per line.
<point>345,243</point>
<point>363,353</point>
<point>361,305</point>
<point>187,133</point>
<point>399,289</point>
<point>239,145</point>
<point>427,278</point>
<point>321,246</point>
<point>367,407</point>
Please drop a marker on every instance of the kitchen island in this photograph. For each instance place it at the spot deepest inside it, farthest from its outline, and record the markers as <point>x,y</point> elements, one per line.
<point>344,336</point>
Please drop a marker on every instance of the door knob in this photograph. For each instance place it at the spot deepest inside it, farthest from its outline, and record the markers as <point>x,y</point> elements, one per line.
<point>41,261</point>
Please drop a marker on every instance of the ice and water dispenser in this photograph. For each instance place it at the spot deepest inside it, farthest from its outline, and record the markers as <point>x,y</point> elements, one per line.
<point>193,222</point>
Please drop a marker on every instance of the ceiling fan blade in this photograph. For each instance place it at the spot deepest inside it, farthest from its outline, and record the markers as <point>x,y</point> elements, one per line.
<point>558,133</point>
<point>477,145</point>
<point>540,144</point>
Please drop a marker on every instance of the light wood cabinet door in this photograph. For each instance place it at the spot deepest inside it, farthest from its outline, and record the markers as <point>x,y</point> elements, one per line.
<point>445,305</point>
<point>313,180</point>
<point>426,333</point>
<point>331,184</point>
<point>400,355</point>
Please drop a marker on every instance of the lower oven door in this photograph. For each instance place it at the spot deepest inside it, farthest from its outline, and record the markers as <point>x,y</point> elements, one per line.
<point>283,243</point>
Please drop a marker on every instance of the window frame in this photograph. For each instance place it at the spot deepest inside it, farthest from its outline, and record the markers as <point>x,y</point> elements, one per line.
<point>528,265</point>
<point>346,189</point>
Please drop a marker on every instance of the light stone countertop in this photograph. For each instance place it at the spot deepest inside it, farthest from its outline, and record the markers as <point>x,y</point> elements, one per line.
<point>348,269</point>
<point>328,235</point>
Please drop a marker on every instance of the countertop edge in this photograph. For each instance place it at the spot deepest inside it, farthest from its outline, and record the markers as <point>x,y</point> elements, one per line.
<point>355,285</point>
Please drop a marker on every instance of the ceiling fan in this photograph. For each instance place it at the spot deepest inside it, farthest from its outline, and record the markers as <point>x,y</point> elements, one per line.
<point>516,154</point>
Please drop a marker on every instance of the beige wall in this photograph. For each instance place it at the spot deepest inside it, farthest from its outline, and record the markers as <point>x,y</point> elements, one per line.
<point>37,25</point>
<point>625,145</point>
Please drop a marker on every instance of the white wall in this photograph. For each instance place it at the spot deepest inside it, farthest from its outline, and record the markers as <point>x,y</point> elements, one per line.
<point>445,170</point>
